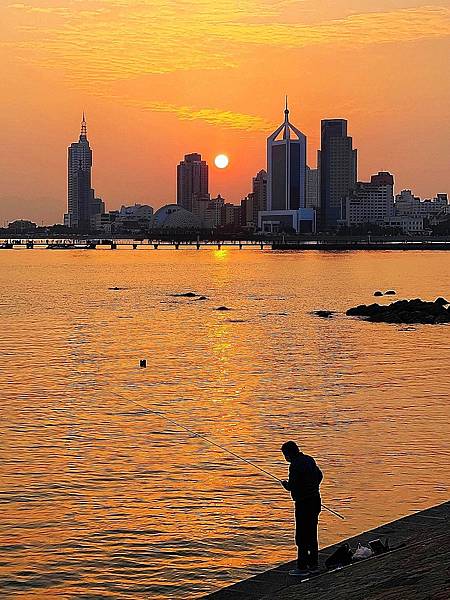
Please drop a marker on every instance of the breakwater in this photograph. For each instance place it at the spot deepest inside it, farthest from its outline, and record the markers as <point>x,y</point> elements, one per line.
<point>415,570</point>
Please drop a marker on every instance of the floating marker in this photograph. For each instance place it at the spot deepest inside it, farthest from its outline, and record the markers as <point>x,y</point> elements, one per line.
<point>143,363</point>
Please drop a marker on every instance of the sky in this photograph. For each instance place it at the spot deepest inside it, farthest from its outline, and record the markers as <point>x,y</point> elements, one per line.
<point>162,78</point>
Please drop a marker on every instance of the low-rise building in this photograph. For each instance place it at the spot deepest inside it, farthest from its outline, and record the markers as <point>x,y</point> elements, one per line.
<point>410,225</point>
<point>21,226</point>
<point>302,220</point>
<point>409,205</point>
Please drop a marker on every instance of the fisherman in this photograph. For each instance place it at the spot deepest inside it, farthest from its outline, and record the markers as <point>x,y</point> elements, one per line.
<point>303,483</point>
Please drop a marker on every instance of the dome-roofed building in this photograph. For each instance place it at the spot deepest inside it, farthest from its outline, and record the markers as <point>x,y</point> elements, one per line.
<point>174,216</point>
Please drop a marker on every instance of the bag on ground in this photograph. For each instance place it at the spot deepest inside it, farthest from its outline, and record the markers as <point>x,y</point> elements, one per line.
<point>340,557</point>
<point>362,552</point>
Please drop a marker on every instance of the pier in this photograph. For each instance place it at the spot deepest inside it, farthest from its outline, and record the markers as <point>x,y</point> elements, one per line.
<point>284,243</point>
<point>417,568</point>
<point>114,244</point>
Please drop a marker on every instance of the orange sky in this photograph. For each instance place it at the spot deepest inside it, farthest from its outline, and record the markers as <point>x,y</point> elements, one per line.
<point>161,78</point>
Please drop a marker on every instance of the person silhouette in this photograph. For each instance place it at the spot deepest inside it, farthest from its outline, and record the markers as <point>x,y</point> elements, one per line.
<point>304,485</point>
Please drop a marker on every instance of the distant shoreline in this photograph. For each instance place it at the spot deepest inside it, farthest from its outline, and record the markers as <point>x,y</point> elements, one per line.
<point>177,242</point>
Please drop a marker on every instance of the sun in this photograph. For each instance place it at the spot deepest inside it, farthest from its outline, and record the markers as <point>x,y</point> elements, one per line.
<point>221,161</point>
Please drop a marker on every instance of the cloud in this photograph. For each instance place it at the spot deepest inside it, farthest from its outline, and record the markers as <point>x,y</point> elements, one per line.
<point>118,39</point>
<point>371,28</point>
<point>115,40</point>
<point>212,116</point>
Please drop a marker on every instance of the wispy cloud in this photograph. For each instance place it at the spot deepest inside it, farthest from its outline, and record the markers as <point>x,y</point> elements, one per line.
<point>212,116</point>
<point>97,42</point>
<point>371,28</point>
<point>116,39</point>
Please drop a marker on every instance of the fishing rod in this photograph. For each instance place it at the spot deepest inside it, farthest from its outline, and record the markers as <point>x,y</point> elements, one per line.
<point>213,443</point>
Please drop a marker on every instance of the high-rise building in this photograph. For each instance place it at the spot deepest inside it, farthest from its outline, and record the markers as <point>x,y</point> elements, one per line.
<point>256,201</point>
<point>209,210</point>
<point>286,183</point>
<point>192,180</point>
<point>312,198</point>
<point>337,162</point>
<point>259,190</point>
<point>286,167</point>
<point>81,201</point>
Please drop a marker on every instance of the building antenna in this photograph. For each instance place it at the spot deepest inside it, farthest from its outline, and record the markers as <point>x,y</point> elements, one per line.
<point>286,134</point>
<point>83,125</point>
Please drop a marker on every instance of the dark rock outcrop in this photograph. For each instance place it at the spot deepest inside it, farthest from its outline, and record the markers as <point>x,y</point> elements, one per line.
<point>223,308</point>
<point>378,293</point>
<point>404,311</point>
<point>185,295</point>
<point>325,314</point>
<point>390,293</point>
<point>441,301</point>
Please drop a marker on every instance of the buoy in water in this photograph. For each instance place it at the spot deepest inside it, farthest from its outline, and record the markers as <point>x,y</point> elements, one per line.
<point>143,363</point>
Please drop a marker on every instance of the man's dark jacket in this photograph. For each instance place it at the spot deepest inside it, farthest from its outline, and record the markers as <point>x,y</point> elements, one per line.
<point>304,478</point>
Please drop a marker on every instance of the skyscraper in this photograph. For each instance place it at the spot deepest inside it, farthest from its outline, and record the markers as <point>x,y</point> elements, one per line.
<point>337,161</point>
<point>81,203</point>
<point>286,167</point>
<point>192,180</point>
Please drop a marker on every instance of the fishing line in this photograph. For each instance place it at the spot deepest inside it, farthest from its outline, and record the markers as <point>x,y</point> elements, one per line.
<point>209,441</point>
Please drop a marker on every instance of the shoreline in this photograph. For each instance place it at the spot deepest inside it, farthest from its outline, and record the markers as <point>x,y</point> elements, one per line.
<point>415,571</point>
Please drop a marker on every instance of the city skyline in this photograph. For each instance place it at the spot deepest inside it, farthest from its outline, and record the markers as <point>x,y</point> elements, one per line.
<point>163,91</point>
<point>271,141</point>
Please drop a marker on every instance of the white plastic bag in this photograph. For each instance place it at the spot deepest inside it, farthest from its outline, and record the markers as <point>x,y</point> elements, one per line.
<point>362,552</point>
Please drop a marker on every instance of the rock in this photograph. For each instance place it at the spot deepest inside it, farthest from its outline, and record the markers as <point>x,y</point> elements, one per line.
<point>378,293</point>
<point>185,295</point>
<point>223,308</point>
<point>115,289</point>
<point>325,314</point>
<point>390,293</point>
<point>357,311</point>
<point>442,319</point>
<point>202,298</point>
<point>441,301</point>
<point>404,311</point>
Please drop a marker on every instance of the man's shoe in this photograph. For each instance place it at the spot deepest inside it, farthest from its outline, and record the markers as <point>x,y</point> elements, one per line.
<point>299,572</point>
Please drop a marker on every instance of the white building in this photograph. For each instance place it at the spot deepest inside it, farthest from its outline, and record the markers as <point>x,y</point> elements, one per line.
<point>410,225</point>
<point>302,220</point>
<point>409,205</point>
<point>369,202</point>
<point>138,212</point>
<point>174,216</point>
<point>209,210</point>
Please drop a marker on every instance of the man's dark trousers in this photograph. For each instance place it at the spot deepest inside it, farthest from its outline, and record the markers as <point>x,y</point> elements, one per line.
<point>306,521</point>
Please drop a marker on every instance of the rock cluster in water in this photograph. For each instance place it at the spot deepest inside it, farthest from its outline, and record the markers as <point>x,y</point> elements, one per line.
<point>388,293</point>
<point>405,311</point>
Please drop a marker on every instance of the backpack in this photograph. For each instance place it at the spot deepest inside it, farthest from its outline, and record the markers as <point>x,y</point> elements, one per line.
<point>341,557</point>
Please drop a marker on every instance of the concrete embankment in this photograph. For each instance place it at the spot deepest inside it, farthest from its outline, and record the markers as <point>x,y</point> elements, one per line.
<point>418,570</point>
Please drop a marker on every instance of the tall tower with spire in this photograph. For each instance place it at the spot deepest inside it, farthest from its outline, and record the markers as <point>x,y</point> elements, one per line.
<point>286,167</point>
<point>80,195</point>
